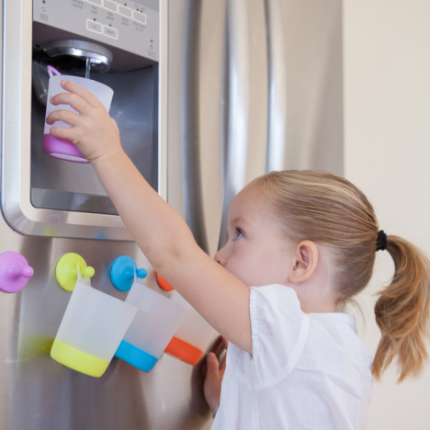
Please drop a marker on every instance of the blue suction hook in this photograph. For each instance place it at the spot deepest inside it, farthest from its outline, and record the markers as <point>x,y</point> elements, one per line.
<point>122,273</point>
<point>141,273</point>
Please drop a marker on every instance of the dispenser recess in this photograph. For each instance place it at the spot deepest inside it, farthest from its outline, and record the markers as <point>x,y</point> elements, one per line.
<point>44,196</point>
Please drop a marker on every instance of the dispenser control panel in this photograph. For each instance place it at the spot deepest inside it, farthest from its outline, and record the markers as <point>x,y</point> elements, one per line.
<point>132,26</point>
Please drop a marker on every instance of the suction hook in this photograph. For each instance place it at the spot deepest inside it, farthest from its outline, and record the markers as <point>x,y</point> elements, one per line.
<point>123,271</point>
<point>162,283</point>
<point>67,268</point>
<point>14,272</point>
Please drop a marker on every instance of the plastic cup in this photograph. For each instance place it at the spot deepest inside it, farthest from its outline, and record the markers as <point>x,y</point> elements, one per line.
<point>156,322</point>
<point>63,148</point>
<point>193,335</point>
<point>91,330</point>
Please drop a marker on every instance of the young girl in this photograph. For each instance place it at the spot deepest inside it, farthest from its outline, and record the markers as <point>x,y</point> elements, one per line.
<point>300,245</point>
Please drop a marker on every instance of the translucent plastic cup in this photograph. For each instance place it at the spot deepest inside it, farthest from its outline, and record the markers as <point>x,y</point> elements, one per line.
<point>155,323</point>
<point>91,330</point>
<point>63,148</point>
<point>193,335</point>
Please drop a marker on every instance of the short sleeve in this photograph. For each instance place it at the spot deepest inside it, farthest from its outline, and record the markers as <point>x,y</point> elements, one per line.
<point>279,332</point>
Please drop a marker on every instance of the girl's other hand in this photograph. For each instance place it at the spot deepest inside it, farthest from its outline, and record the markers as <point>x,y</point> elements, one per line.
<point>93,131</point>
<point>215,364</point>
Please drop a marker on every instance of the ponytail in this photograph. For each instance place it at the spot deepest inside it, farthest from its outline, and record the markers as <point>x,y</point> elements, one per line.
<point>403,311</point>
<point>330,211</point>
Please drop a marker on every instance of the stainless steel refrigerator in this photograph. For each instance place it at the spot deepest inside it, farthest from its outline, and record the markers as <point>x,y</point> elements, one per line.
<point>208,95</point>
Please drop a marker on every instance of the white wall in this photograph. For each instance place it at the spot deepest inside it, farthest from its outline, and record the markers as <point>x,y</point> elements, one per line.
<point>387,154</point>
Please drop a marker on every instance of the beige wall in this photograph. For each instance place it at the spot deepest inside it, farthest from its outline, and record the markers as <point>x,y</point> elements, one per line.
<point>387,154</point>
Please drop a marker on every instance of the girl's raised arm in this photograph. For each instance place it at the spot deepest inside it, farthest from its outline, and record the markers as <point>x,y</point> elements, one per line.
<point>163,236</point>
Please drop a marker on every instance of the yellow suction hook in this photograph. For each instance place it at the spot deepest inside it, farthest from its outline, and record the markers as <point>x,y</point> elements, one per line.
<point>66,270</point>
<point>88,272</point>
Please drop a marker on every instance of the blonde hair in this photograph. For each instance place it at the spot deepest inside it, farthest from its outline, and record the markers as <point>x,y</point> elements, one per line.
<point>330,211</point>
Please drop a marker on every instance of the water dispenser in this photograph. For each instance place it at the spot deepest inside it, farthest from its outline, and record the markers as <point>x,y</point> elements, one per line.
<point>112,43</point>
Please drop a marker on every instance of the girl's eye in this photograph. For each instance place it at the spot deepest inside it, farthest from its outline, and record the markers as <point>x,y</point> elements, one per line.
<point>239,234</point>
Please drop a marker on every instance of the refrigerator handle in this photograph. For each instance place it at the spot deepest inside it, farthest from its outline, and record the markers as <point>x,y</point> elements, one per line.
<point>237,77</point>
<point>191,164</point>
<point>277,121</point>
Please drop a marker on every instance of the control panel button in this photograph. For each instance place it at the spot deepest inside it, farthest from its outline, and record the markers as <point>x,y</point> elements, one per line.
<point>110,32</point>
<point>110,5</point>
<point>141,17</point>
<point>94,26</point>
<point>96,2</point>
<point>125,11</point>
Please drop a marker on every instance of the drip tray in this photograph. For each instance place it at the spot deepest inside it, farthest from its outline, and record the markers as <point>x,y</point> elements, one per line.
<point>62,200</point>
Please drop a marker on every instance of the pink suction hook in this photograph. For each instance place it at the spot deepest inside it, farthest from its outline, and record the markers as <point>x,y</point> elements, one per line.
<point>52,71</point>
<point>14,272</point>
<point>26,272</point>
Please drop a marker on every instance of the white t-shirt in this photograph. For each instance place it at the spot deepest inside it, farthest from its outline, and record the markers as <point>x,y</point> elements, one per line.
<point>307,371</point>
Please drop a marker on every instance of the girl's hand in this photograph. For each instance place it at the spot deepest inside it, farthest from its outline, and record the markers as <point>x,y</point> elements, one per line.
<point>214,375</point>
<point>93,131</point>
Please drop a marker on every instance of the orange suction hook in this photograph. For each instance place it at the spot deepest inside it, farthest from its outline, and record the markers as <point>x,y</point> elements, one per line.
<point>162,283</point>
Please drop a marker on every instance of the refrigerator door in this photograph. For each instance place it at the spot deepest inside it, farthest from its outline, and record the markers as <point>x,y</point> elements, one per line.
<point>278,104</point>
<point>234,115</point>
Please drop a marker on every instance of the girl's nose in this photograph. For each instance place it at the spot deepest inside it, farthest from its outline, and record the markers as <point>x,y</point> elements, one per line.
<point>220,257</point>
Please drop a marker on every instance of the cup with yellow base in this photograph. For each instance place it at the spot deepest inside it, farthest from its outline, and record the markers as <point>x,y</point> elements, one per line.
<point>91,330</point>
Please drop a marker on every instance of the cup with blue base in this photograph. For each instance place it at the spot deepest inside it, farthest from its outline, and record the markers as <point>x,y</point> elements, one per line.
<point>153,327</point>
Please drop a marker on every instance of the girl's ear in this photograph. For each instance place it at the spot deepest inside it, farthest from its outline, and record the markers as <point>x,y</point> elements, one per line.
<point>305,262</point>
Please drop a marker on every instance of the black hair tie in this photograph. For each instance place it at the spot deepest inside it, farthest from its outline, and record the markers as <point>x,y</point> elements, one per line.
<point>381,243</point>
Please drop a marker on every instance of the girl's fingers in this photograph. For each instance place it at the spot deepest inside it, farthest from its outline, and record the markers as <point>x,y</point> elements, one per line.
<point>218,347</point>
<point>75,101</point>
<point>212,366</point>
<point>64,115</point>
<point>222,368</point>
<point>75,88</point>
<point>63,133</point>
